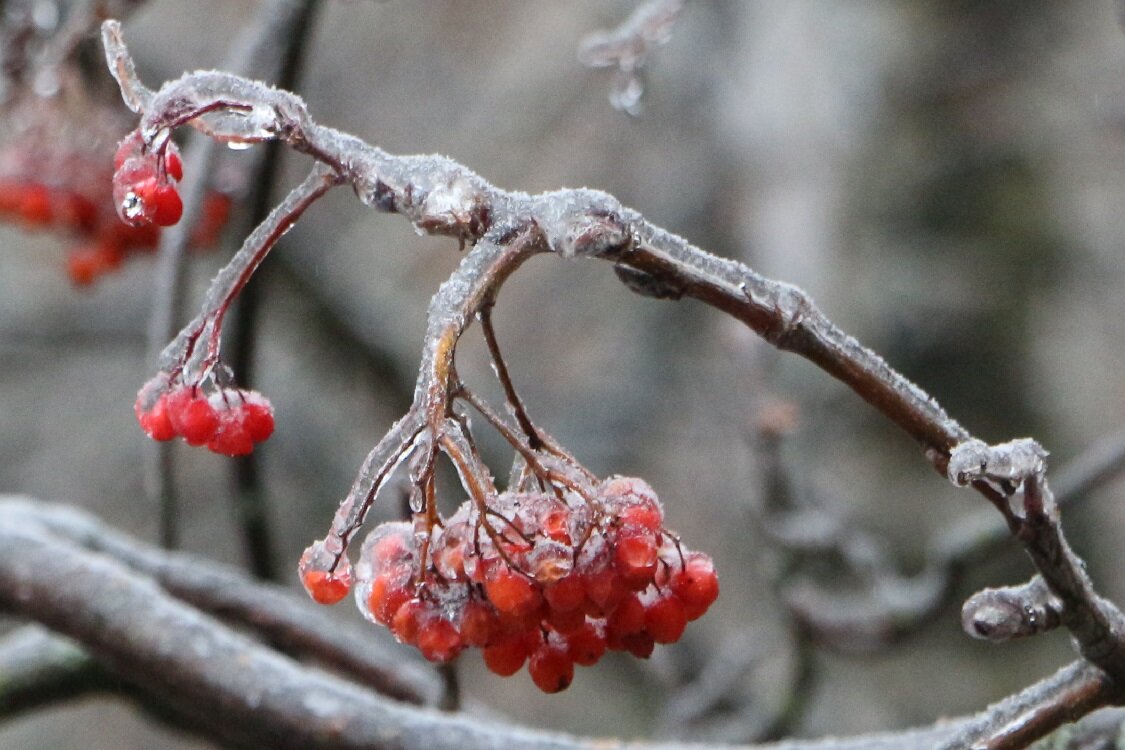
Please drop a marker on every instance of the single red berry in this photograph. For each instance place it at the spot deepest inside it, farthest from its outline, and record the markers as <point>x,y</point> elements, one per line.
<point>510,592</point>
<point>231,438</point>
<point>438,640</point>
<point>389,591</point>
<point>665,619</point>
<point>257,415</point>
<point>156,422</point>
<point>586,645</point>
<point>407,621</point>
<point>566,594</point>
<point>326,587</point>
<point>551,668</point>
<point>192,415</point>
<point>173,165</point>
<point>164,199</point>
<point>640,645</point>
<point>479,624</point>
<point>566,622</point>
<point>130,146</point>
<point>635,556</point>
<point>696,585</point>
<point>507,656</point>
<point>628,617</point>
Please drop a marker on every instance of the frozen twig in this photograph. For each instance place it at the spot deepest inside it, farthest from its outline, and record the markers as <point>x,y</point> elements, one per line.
<point>1016,473</point>
<point>627,48</point>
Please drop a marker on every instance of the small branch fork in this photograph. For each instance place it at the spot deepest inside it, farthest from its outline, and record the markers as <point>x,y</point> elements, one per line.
<point>440,196</point>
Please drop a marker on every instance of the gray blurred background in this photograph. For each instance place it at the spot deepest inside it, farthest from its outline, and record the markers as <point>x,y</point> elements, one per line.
<point>946,178</point>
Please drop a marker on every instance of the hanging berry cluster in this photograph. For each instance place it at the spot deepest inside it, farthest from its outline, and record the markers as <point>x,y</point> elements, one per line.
<point>537,578</point>
<point>556,570</point>
<point>228,420</point>
<point>55,175</point>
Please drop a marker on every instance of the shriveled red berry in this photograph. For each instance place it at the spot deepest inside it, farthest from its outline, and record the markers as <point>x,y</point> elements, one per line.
<point>665,619</point>
<point>551,668</point>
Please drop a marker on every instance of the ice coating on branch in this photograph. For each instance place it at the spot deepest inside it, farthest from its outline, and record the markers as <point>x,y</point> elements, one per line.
<point>584,223</point>
<point>1013,461</point>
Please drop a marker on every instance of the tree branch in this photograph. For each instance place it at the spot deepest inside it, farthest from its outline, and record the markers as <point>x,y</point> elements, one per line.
<point>238,691</point>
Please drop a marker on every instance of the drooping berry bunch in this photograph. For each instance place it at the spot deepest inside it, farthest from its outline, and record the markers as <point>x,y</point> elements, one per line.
<point>534,578</point>
<point>55,174</point>
<point>227,420</point>
<point>145,182</point>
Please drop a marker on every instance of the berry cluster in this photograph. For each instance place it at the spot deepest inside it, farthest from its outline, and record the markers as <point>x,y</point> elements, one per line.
<point>42,188</point>
<point>534,579</point>
<point>144,183</point>
<point>228,421</point>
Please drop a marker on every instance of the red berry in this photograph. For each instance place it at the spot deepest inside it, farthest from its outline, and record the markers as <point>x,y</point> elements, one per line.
<point>389,591</point>
<point>192,415</point>
<point>586,645</point>
<point>696,585</point>
<point>407,622</point>
<point>665,619</point>
<point>568,593</point>
<point>507,656</point>
<point>640,645</point>
<point>566,622</point>
<point>628,617</point>
<point>438,640</point>
<point>635,557</point>
<point>164,199</point>
<point>551,668</point>
<point>231,438</point>
<point>257,416</point>
<point>510,592</point>
<point>479,624</point>
<point>173,165</point>
<point>326,587</point>
<point>156,422</point>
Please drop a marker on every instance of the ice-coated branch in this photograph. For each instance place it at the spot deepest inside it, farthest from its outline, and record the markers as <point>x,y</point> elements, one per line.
<point>276,615</point>
<point>440,196</point>
<point>238,691</point>
<point>1015,722</point>
<point>1016,471</point>
<point>1001,614</point>
<point>38,668</point>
